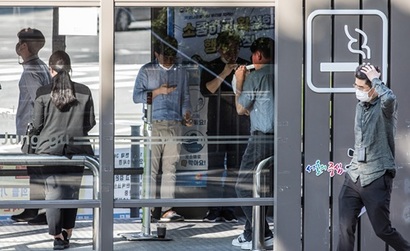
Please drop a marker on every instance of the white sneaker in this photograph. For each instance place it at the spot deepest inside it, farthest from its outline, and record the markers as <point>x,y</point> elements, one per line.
<point>171,216</point>
<point>239,241</point>
<point>267,243</point>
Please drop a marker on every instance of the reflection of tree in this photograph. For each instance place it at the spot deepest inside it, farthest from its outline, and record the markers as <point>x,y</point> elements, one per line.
<point>195,11</point>
<point>159,21</point>
<point>206,22</point>
<point>160,17</point>
<point>246,19</point>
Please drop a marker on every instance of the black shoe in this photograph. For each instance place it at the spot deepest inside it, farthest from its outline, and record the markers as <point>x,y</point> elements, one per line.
<point>26,215</point>
<point>229,217</point>
<point>212,216</point>
<point>65,235</point>
<point>155,214</point>
<point>60,244</point>
<point>40,219</point>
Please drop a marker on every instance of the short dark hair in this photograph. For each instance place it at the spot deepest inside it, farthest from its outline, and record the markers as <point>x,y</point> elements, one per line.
<point>227,38</point>
<point>166,46</point>
<point>265,45</point>
<point>361,75</point>
<point>34,38</point>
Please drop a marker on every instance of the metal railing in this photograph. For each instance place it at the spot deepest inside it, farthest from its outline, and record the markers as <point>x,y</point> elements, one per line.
<point>52,160</point>
<point>257,202</point>
<point>258,221</point>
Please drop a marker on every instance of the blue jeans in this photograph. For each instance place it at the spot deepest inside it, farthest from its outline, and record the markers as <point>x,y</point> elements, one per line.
<point>259,148</point>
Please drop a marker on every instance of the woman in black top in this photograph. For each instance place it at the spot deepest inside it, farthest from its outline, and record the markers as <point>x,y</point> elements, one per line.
<point>62,111</point>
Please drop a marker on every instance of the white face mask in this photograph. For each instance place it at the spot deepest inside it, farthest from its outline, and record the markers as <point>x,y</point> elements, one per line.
<point>362,95</point>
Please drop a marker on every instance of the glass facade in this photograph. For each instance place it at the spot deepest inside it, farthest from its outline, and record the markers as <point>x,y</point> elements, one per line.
<point>190,133</point>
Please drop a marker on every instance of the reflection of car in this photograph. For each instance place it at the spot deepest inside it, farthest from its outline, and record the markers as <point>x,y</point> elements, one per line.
<point>124,16</point>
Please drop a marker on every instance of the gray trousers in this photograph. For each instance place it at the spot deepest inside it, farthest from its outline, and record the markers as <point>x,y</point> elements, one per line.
<point>165,155</point>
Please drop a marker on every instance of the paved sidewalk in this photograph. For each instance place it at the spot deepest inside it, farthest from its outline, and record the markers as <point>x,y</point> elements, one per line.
<point>189,235</point>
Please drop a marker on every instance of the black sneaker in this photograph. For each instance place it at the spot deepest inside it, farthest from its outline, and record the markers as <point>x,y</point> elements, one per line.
<point>40,219</point>
<point>60,244</point>
<point>229,217</point>
<point>212,216</point>
<point>65,235</point>
<point>26,215</point>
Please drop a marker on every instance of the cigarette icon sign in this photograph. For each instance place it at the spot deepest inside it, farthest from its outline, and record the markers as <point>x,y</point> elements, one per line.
<point>338,67</point>
<point>344,66</point>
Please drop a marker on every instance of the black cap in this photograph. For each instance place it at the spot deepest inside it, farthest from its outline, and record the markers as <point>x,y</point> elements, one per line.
<point>29,34</point>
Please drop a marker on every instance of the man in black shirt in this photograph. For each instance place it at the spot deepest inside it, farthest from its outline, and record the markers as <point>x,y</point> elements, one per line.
<point>224,122</point>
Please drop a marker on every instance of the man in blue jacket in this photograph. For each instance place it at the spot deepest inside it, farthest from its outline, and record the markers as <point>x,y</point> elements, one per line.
<point>35,74</point>
<point>171,107</point>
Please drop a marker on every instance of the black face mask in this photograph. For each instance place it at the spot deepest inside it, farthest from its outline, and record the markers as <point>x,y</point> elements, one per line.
<point>18,48</point>
<point>19,58</point>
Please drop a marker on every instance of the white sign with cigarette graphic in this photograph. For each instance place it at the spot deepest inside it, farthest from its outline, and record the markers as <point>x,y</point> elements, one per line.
<point>363,50</point>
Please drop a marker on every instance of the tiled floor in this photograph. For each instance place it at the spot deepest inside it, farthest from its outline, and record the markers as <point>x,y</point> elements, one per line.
<point>189,235</point>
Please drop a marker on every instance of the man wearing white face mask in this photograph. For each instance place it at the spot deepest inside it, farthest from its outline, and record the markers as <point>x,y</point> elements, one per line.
<point>35,74</point>
<point>171,107</point>
<point>369,179</point>
<point>364,88</point>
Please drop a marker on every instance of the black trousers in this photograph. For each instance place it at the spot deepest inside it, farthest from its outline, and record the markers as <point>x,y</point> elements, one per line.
<point>62,183</point>
<point>258,148</point>
<point>36,183</point>
<point>375,197</point>
<point>217,153</point>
